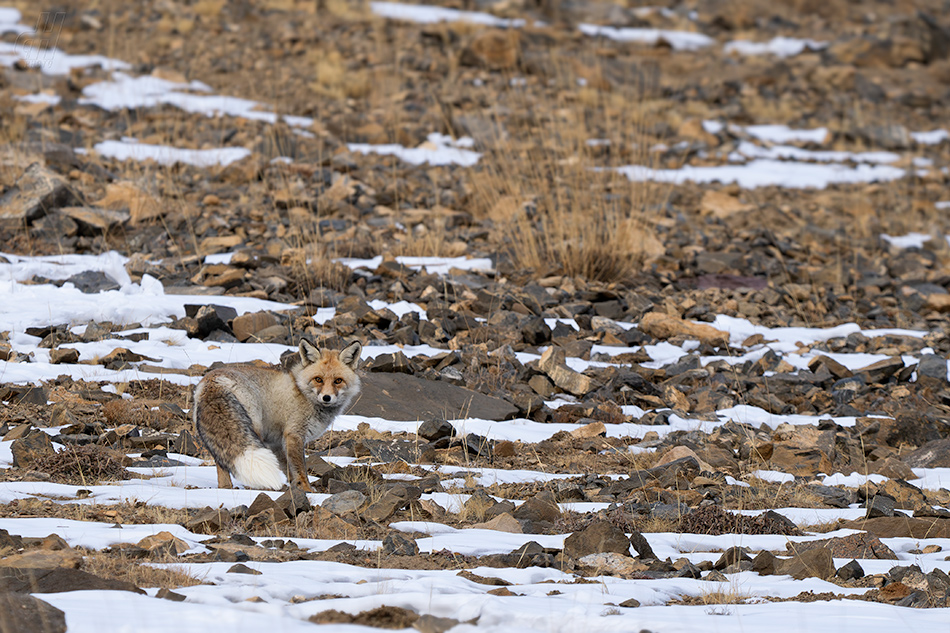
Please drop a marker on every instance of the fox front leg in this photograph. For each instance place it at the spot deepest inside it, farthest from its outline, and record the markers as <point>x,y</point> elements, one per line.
<point>296,463</point>
<point>224,477</point>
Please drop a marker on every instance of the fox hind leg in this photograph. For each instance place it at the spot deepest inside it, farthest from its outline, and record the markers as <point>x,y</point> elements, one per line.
<point>226,429</point>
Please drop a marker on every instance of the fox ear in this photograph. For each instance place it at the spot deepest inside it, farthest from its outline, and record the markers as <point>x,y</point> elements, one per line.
<point>308,353</point>
<point>350,355</point>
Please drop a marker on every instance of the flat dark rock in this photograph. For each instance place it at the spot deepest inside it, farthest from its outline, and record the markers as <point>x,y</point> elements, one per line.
<point>21,613</point>
<point>29,580</point>
<point>405,397</point>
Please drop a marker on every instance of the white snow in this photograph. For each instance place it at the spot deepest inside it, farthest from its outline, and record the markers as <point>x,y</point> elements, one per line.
<point>432,265</point>
<point>678,40</point>
<point>779,133</point>
<point>778,46</point>
<point>131,149</point>
<point>125,91</point>
<point>766,173</point>
<point>750,150</point>
<point>438,149</point>
<point>39,97</point>
<point>911,240</point>
<point>932,137</point>
<point>425,14</point>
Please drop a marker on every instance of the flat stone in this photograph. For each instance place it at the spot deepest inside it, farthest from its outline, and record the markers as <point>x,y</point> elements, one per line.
<point>247,325</point>
<point>208,520</point>
<point>344,502</point>
<point>66,355</point>
<point>35,193</point>
<point>93,282</point>
<point>553,364</point>
<point>44,559</point>
<point>329,525</point>
<point>26,450</point>
<point>933,454</point>
<point>893,468</point>
<point>37,580</point>
<point>596,538</point>
<point>881,370</point>
<point>165,543</point>
<point>663,326</point>
<point>814,563</point>
<point>880,506</point>
<point>541,507</point>
<point>503,522</point>
<point>398,544</point>
<point>641,545</point>
<point>20,613</point>
<point>850,571</point>
<point>95,217</point>
<point>293,502</point>
<point>860,545</point>
<point>901,525</point>
<point>932,371</point>
<point>241,568</point>
<point>398,396</point>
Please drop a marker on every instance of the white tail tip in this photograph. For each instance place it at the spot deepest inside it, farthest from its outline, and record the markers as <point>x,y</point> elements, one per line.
<point>258,468</point>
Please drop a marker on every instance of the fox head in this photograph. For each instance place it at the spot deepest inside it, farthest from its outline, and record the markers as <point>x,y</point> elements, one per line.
<point>328,377</point>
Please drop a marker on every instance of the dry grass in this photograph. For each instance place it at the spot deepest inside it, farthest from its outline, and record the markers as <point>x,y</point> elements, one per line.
<point>558,205</point>
<point>138,413</point>
<point>135,513</point>
<point>144,575</point>
<point>83,465</point>
<point>475,510</point>
<point>764,495</point>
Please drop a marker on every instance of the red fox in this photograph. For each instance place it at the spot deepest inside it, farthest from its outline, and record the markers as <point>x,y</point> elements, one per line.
<point>256,421</point>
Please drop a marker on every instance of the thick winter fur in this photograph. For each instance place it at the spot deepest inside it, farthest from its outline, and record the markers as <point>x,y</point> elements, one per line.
<point>256,421</point>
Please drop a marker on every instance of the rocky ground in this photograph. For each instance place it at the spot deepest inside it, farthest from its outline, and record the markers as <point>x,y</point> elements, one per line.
<point>599,362</point>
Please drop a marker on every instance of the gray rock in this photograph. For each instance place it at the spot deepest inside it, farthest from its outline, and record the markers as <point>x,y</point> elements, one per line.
<point>396,396</point>
<point>26,450</point>
<point>241,568</point>
<point>20,613</point>
<point>641,545</point>
<point>933,454</point>
<point>850,571</point>
<point>38,580</point>
<point>293,502</point>
<point>732,556</point>
<point>816,563</point>
<point>35,193</point>
<point>932,371</point>
<point>91,282</point>
<point>880,506</point>
<point>596,538</point>
<point>541,507</point>
<point>344,502</point>
<point>435,429</point>
<point>398,544</point>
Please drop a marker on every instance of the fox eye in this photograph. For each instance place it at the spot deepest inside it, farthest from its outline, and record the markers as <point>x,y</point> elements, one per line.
<point>318,380</point>
<point>338,381</point>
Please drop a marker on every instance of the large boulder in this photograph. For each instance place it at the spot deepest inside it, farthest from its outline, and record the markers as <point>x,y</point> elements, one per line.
<point>396,396</point>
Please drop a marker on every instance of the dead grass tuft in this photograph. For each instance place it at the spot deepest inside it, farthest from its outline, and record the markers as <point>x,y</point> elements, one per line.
<point>384,617</point>
<point>558,204</point>
<point>138,413</point>
<point>121,567</point>
<point>83,465</point>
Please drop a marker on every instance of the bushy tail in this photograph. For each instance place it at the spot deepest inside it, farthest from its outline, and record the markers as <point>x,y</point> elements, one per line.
<point>257,467</point>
